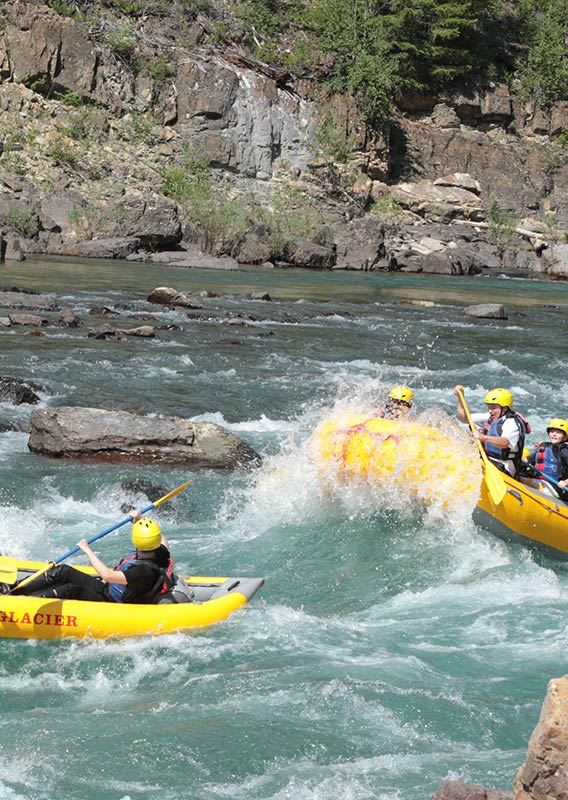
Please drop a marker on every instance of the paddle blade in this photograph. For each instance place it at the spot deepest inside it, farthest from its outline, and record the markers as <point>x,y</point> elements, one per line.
<point>30,578</point>
<point>171,494</point>
<point>8,570</point>
<point>496,486</point>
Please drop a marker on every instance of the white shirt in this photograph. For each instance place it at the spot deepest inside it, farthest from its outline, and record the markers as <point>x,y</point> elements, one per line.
<point>510,431</point>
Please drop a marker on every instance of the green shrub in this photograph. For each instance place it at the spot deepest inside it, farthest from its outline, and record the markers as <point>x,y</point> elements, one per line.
<point>210,213</point>
<point>122,41</point>
<point>387,208</point>
<point>24,222</point>
<point>88,124</point>
<point>161,71</point>
<point>137,128</point>
<point>501,223</point>
<point>331,140</point>
<point>67,8</point>
<point>562,139</point>
<point>62,152</point>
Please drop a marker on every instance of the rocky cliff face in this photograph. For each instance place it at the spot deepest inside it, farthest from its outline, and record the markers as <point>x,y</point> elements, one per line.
<point>102,107</point>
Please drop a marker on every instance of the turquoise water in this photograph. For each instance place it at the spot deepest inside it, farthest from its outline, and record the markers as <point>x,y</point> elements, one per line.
<point>390,648</point>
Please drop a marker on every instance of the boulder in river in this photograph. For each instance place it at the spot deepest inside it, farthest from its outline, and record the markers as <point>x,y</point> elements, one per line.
<point>17,391</point>
<point>544,774</point>
<point>486,311</point>
<point>454,790</point>
<point>105,435</point>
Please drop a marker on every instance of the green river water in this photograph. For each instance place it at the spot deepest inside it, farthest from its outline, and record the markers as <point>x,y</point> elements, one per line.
<point>391,647</point>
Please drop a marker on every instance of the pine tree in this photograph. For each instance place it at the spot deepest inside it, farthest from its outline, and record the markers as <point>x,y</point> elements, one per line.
<point>437,41</point>
<point>545,74</point>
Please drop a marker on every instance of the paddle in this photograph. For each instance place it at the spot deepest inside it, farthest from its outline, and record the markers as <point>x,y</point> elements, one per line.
<point>76,549</point>
<point>496,486</point>
<point>543,475</point>
<point>8,569</point>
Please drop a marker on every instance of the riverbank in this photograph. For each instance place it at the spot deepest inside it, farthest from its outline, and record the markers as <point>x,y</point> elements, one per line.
<point>189,148</point>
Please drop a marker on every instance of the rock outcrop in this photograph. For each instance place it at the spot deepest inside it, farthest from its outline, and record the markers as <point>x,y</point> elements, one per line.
<point>17,391</point>
<point>101,136</point>
<point>100,434</point>
<point>544,775</point>
<point>454,790</point>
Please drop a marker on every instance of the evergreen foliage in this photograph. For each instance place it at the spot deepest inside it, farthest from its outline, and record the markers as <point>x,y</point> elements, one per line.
<point>378,49</point>
<point>545,75</point>
<point>354,32</point>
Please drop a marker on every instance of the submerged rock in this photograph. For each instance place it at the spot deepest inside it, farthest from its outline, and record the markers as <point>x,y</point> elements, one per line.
<point>454,790</point>
<point>101,434</point>
<point>17,391</point>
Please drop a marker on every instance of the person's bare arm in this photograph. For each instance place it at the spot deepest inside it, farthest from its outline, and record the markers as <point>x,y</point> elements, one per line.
<point>108,575</point>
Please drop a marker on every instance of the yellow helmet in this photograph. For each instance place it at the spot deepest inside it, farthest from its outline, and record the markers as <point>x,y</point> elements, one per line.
<point>559,424</point>
<point>402,393</point>
<point>499,397</point>
<point>146,534</point>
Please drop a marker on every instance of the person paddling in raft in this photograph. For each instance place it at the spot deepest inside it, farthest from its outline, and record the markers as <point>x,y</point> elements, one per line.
<point>398,404</point>
<point>500,430</point>
<point>139,577</point>
<point>551,458</point>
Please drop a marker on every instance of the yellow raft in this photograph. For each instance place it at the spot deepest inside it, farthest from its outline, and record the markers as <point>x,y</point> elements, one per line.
<point>426,462</point>
<point>42,618</point>
<point>525,511</point>
<point>419,457</point>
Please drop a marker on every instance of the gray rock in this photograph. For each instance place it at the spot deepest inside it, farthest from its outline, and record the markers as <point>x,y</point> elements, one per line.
<point>11,248</point>
<point>108,332</point>
<point>444,117</point>
<point>150,219</point>
<point>461,179</point>
<point>254,249</point>
<point>543,775</point>
<point>486,311</point>
<point>31,320</point>
<point>303,253</point>
<point>101,434</point>
<point>559,118</point>
<point>259,296</point>
<point>95,248</point>
<point>360,244</point>
<point>16,391</point>
<point>57,208</point>
<point>68,319</point>
<point>454,790</point>
<point>166,296</point>
<point>496,105</point>
<point>555,262</point>
<point>438,203</point>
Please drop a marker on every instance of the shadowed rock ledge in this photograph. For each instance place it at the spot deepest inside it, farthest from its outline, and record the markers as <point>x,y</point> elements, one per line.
<point>544,775</point>
<point>103,435</point>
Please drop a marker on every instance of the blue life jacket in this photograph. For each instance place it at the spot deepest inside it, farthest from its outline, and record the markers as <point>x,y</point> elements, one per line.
<point>495,428</point>
<point>548,459</point>
<point>121,593</point>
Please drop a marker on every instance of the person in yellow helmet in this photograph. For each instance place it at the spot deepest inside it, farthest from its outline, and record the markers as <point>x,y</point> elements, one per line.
<point>398,404</point>
<point>551,458</point>
<point>501,430</point>
<point>139,577</point>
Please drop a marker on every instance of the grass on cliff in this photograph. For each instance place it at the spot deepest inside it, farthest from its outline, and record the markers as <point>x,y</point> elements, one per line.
<point>216,218</point>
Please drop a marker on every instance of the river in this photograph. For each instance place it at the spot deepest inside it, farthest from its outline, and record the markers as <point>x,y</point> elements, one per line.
<point>390,648</point>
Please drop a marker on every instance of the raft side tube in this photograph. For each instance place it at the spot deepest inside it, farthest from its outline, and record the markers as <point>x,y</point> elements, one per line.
<point>245,586</point>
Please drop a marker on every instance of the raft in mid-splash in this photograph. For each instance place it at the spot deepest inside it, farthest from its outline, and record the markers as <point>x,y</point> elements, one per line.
<point>427,462</point>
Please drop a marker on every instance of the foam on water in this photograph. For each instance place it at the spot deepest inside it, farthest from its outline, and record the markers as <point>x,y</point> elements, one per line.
<point>393,644</point>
